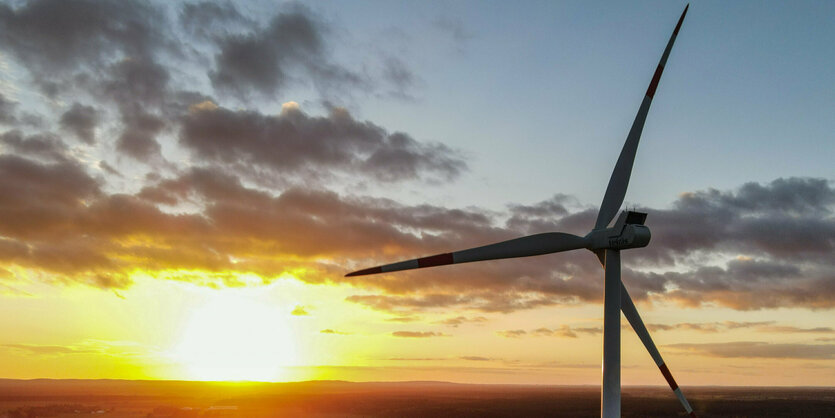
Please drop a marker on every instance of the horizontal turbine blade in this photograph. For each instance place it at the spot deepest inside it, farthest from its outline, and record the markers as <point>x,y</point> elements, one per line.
<point>550,242</point>
<point>616,190</point>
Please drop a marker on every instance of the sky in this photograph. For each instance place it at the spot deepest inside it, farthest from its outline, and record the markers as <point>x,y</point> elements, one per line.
<point>183,186</point>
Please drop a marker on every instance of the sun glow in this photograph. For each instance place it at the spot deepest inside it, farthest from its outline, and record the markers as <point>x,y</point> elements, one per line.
<point>234,338</point>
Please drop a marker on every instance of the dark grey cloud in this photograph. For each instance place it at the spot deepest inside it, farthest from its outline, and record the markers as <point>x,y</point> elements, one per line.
<point>293,46</point>
<point>138,138</point>
<point>756,349</point>
<point>269,234</point>
<point>44,145</point>
<point>787,218</point>
<point>135,83</point>
<point>781,236</point>
<point>209,19</point>
<point>7,110</point>
<point>57,37</point>
<point>81,120</point>
<point>293,142</point>
<point>126,53</point>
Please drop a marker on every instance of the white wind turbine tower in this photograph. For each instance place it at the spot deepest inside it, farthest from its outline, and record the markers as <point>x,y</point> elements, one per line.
<point>628,232</point>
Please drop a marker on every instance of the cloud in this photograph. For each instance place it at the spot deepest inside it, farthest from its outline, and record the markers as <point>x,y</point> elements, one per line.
<point>53,38</point>
<point>797,330</point>
<point>403,318</point>
<point>86,347</point>
<point>755,349</point>
<point>299,310</point>
<point>42,145</point>
<point>292,45</point>
<point>709,327</point>
<point>47,349</point>
<point>458,320</point>
<point>293,142</point>
<point>512,333</point>
<point>418,334</point>
<point>234,191</point>
<point>563,331</point>
<point>475,358</point>
<point>83,230</point>
<point>206,19</point>
<point>81,120</point>
<point>7,110</point>
<point>333,331</point>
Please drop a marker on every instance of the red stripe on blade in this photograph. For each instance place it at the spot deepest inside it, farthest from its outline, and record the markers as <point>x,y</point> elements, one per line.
<point>654,83</point>
<point>667,375</point>
<point>435,260</point>
<point>372,270</point>
<point>693,414</point>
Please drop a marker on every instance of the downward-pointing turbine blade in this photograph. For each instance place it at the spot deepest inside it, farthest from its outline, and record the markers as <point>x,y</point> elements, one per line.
<point>619,181</point>
<point>550,242</point>
<point>631,313</point>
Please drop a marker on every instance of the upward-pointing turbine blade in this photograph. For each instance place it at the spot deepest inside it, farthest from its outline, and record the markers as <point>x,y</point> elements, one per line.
<point>619,181</point>
<point>550,242</point>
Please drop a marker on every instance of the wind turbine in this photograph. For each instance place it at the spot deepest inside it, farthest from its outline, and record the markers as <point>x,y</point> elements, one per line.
<point>628,232</point>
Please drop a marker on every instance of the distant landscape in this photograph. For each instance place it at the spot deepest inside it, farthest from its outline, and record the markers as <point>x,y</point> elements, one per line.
<point>125,398</point>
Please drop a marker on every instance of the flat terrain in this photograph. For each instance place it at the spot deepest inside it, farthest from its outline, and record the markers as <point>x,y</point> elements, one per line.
<point>120,398</point>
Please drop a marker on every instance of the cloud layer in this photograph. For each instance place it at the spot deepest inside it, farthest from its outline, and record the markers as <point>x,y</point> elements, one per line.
<point>163,152</point>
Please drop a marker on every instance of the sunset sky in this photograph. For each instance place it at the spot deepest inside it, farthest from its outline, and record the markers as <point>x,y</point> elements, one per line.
<point>184,185</point>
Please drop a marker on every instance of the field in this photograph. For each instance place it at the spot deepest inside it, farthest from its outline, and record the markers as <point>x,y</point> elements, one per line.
<point>118,398</point>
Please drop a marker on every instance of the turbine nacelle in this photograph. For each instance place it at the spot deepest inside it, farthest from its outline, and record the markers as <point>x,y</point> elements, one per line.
<point>628,232</point>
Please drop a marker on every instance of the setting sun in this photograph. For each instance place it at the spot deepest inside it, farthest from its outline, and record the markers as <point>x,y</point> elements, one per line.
<point>232,337</point>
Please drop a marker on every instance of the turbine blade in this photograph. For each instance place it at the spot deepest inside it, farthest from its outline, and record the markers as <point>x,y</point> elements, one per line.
<point>631,313</point>
<point>616,190</point>
<point>550,242</point>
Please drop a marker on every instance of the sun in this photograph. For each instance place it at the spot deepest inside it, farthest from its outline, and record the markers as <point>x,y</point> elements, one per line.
<point>232,337</point>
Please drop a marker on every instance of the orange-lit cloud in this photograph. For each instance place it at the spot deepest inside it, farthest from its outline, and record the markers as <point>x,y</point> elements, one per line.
<point>756,349</point>
<point>417,334</point>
